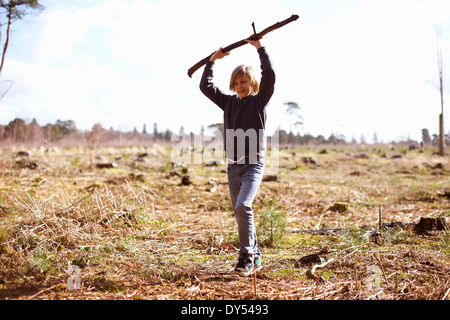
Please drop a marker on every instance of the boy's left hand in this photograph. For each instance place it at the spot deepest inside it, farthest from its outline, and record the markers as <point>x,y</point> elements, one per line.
<point>255,43</point>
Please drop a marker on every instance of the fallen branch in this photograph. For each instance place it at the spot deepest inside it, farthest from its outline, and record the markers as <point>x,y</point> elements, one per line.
<point>311,274</point>
<point>446,293</point>
<point>42,291</point>
<point>374,295</point>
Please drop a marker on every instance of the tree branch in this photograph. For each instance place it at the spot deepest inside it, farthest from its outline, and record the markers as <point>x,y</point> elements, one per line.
<point>8,36</point>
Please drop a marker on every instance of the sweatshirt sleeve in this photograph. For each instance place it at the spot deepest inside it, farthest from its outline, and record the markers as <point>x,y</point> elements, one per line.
<point>209,89</point>
<point>267,83</point>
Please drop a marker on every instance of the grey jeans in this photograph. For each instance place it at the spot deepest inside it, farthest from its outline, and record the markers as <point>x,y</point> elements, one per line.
<point>244,181</point>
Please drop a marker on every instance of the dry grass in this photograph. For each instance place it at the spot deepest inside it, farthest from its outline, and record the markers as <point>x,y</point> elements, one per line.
<point>133,232</point>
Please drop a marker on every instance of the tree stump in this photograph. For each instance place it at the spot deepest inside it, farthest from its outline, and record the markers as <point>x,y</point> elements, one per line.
<point>430,224</point>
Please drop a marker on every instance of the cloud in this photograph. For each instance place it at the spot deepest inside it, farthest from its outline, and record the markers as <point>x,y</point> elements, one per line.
<point>354,68</point>
<point>125,61</point>
<point>364,68</point>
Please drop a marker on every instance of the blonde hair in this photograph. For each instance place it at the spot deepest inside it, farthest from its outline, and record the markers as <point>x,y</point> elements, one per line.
<point>241,71</point>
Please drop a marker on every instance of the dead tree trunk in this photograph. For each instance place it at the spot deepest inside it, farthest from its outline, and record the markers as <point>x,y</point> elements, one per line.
<point>441,89</point>
<point>8,35</point>
<point>441,135</point>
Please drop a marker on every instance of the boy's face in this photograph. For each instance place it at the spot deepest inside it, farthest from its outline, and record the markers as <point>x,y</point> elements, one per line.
<point>242,86</point>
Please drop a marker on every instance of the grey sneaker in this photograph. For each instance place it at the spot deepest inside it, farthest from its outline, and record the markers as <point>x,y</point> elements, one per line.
<point>257,264</point>
<point>248,265</point>
<point>244,266</point>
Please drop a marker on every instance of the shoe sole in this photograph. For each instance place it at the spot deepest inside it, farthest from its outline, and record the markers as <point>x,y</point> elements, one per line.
<point>244,274</point>
<point>247,273</point>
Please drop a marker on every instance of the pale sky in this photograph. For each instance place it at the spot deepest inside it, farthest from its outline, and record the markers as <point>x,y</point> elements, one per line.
<point>355,67</point>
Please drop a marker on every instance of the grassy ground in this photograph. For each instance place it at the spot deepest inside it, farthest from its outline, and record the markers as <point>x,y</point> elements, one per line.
<point>135,231</point>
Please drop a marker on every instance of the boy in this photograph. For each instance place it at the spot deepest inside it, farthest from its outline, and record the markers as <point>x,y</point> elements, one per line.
<point>244,117</point>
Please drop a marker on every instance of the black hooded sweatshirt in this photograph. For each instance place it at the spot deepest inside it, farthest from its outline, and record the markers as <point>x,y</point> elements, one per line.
<point>244,119</point>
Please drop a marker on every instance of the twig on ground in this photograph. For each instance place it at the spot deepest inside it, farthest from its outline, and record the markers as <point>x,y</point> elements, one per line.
<point>374,295</point>
<point>42,291</point>
<point>446,293</point>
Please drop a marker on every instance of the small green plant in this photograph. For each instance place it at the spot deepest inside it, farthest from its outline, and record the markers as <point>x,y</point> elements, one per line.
<point>353,236</point>
<point>41,261</point>
<point>76,162</point>
<point>272,223</point>
<point>3,239</point>
<point>289,273</point>
<point>392,236</point>
<point>125,156</point>
<point>445,241</point>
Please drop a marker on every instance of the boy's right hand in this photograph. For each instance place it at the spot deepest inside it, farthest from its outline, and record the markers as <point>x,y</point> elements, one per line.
<point>218,55</point>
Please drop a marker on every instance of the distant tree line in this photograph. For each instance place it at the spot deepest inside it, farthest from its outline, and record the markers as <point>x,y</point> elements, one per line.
<point>433,140</point>
<point>308,139</point>
<point>19,131</point>
<point>65,132</point>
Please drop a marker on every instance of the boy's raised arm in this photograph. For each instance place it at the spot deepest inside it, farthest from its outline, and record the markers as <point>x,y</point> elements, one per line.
<point>206,83</point>
<point>255,43</point>
<point>218,55</point>
<point>267,83</point>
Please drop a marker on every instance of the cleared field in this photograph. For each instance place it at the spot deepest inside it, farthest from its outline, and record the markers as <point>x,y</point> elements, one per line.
<point>147,228</point>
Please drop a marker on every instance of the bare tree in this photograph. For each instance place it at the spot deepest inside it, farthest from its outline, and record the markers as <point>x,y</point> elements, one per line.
<point>95,138</point>
<point>441,89</point>
<point>14,10</point>
<point>293,110</point>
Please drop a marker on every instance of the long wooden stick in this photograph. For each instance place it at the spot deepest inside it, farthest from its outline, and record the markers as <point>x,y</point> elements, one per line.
<point>240,43</point>
<point>254,283</point>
